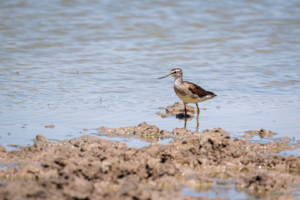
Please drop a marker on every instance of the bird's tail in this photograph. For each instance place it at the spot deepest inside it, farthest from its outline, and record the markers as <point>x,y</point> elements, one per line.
<point>211,94</point>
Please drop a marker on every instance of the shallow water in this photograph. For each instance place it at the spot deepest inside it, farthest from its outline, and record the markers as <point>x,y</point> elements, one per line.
<point>80,65</point>
<point>218,191</point>
<point>227,191</point>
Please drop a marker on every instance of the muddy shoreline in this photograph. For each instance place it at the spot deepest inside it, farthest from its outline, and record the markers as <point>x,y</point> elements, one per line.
<point>90,167</point>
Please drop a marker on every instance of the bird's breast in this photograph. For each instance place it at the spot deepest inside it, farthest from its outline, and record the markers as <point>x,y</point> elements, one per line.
<point>184,95</point>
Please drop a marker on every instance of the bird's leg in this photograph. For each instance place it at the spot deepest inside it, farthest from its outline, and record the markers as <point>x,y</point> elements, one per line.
<point>185,115</point>
<point>197,127</point>
<point>198,112</point>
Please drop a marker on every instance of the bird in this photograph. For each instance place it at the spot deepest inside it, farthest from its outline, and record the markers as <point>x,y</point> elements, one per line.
<point>188,92</point>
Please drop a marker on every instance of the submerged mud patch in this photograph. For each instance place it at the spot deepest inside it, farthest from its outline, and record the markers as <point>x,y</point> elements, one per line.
<point>91,168</point>
<point>261,133</point>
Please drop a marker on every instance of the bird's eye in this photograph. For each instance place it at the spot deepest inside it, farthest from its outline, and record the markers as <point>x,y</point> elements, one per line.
<point>175,72</point>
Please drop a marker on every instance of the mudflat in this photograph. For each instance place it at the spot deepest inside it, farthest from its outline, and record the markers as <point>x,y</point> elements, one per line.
<point>90,167</point>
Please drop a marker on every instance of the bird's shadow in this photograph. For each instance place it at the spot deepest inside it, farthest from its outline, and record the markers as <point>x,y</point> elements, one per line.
<point>182,116</point>
<point>186,118</point>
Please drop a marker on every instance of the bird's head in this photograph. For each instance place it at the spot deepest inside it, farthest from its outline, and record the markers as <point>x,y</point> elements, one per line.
<point>175,73</point>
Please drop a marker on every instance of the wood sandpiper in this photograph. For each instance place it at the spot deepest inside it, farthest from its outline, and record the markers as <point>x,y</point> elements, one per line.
<point>188,92</point>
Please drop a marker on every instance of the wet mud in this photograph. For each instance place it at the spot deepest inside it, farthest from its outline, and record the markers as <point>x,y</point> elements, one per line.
<point>177,109</point>
<point>90,167</point>
<point>142,129</point>
<point>280,144</point>
<point>261,133</point>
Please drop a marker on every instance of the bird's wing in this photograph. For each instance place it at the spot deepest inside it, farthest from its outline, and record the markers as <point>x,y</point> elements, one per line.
<point>199,91</point>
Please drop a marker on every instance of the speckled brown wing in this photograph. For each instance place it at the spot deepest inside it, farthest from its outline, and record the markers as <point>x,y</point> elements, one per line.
<point>195,89</point>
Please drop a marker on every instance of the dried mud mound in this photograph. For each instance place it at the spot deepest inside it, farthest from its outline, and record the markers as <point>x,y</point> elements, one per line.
<point>92,168</point>
<point>176,109</point>
<point>147,130</point>
<point>143,129</point>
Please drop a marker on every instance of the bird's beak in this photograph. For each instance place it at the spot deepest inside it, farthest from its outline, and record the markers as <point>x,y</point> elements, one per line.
<point>164,76</point>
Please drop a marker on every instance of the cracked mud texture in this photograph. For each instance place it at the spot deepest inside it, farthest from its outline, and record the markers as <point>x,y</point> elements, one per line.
<point>93,168</point>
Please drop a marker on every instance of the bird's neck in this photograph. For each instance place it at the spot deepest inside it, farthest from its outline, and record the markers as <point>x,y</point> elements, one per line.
<point>178,80</point>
